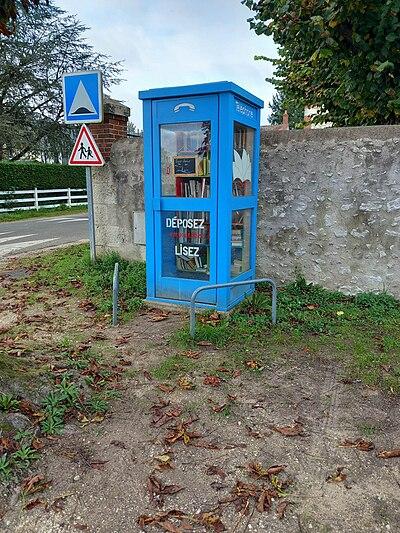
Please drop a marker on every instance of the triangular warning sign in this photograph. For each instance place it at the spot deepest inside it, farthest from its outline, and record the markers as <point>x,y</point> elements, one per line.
<point>86,152</point>
<point>82,104</point>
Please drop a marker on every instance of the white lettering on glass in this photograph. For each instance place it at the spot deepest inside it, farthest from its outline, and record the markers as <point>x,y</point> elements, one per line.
<point>187,251</point>
<point>187,223</point>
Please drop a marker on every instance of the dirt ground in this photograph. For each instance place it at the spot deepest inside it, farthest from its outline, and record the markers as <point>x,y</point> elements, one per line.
<point>100,473</point>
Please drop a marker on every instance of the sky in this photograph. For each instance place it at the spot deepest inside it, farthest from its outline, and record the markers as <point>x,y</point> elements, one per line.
<point>164,43</point>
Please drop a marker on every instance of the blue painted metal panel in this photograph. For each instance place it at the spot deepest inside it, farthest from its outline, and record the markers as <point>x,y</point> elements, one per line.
<point>223,104</point>
<point>200,89</point>
<point>83,97</point>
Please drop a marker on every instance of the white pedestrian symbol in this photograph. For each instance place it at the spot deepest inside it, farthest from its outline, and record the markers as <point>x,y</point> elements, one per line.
<point>82,104</point>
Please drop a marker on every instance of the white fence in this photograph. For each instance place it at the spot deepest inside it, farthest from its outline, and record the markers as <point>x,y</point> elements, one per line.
<point>41,198</point>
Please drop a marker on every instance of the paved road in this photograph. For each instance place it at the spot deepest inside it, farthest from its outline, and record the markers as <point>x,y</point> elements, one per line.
<point>38,233</point>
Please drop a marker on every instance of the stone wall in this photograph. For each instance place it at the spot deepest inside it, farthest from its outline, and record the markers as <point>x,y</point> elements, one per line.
<point>329,206</point>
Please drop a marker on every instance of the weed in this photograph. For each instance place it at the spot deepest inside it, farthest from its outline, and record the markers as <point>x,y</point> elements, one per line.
<point>24,456</point>
<point>172,367</point>
<point>5,468</point>
<point>23,435</point>
<point>8,402</point>
<point>367,429</point>
<point>96,404</point>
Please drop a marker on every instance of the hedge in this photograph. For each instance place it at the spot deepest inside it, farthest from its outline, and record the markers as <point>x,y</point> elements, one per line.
<point>25,176</point>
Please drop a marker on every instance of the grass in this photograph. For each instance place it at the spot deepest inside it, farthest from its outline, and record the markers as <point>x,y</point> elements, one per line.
<point>42,212</point>
<point>70,269</point>
<point>363,331</point>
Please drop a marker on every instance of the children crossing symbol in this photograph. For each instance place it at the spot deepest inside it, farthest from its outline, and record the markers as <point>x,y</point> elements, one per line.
<point>86,152</point>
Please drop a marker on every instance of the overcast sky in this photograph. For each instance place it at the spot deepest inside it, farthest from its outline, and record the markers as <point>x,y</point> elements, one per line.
<point>176,42</point>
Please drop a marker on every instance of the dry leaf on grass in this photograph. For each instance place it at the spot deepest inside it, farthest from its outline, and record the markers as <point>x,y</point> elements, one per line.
<point>213,381</point>
<point>253,364</point>
<point>204,343</point>
<point>165,388</point>
<point>359,444</point>
<point>192,354</point>
<point>388,454</point>
<point>297,429</point>
<point>157,315</point>
<point>185,384</point>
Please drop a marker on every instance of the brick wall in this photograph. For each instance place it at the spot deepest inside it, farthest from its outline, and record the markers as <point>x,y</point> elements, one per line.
<point>113,127</point>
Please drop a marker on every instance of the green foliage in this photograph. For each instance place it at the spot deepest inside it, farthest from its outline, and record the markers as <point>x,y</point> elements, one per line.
<point>62,269</point>
<point>65,396</point>
<point>8,402</point>
<point>342,57</point>
<point>362,329</point>
<point>279,105</point>
<point>27,176</point>
<point>5,468</point>
<point>47,42</point>
<point>24,456</point>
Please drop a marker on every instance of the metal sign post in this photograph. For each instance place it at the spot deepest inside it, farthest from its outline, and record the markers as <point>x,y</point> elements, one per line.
<point>92,238</point>
<point>83,103</point>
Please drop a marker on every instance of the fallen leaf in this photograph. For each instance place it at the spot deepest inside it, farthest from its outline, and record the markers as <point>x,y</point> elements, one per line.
<point>212,521</point>
<point>311,307</point>
<point>359,444</point>
<point>118,444</point>
<point>204,343</point>
<point>165,388</point>
<point>281,508</point>
<point>389,454</point>
<point>81,527</point>
<point>215,471</point>
<point>213,381</point>
<point>290,431</point>
<point>338,476</point>
<point>258,471</point>
<point>34,503</point>
<point>34,484</point>
<point>253,364</point>
<point>158,490</point>
<point>252,433</point>
<point>185,384</point>
<point>192,354</point>
<point>147,375</point>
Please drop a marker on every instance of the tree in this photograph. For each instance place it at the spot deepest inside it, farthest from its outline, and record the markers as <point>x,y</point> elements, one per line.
<point>47,43</point>
<point>279,105</point>
<point>340,56</point>
<point>8,13</point>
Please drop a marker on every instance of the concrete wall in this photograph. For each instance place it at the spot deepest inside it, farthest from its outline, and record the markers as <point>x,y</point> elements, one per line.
<point>329,206</point>
<point>118,194</point>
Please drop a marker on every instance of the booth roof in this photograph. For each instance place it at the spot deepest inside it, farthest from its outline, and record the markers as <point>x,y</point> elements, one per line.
<point>200,89</point>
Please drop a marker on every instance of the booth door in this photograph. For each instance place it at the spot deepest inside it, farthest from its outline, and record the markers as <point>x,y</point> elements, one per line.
<point>185,134</point>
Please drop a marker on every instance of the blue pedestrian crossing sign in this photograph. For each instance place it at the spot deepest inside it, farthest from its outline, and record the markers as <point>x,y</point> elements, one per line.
<point>83,97</point>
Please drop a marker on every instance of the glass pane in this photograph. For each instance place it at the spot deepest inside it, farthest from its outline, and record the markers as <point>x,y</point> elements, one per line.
<point>185,244</point>
<point>242,160</point>
<point>240,257</point>
<point>185,159</point>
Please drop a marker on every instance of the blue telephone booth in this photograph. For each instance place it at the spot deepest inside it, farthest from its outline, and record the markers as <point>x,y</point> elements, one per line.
<point>201,154</point>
